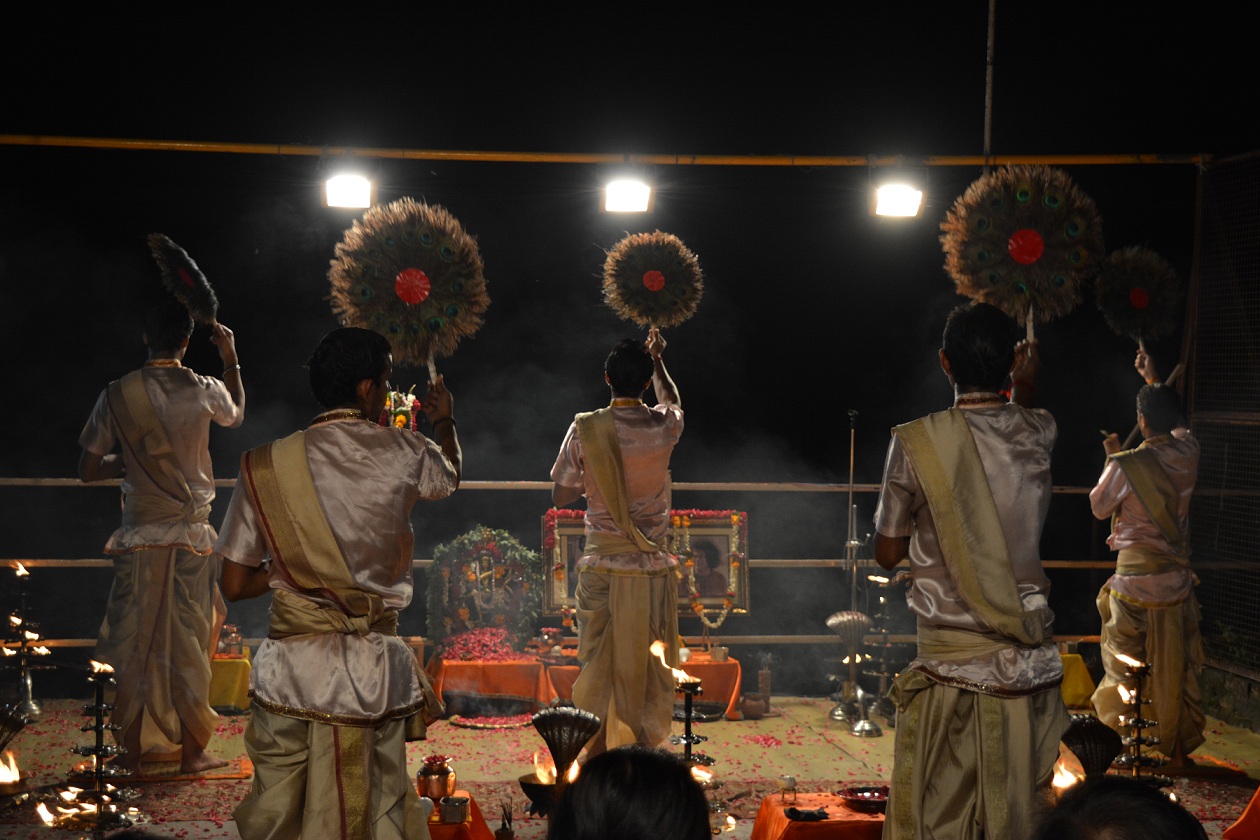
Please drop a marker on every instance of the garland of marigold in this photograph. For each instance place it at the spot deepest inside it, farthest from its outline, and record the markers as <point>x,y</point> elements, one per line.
<point>681,546</point>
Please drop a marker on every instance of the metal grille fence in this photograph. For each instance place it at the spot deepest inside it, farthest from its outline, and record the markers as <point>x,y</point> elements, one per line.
<point>1224,402</point>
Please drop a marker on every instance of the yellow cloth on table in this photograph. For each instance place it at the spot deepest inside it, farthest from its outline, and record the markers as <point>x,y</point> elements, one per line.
<point>1077,685</point>
<point>229,681</point>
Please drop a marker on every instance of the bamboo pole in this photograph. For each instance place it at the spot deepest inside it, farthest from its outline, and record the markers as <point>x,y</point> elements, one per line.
<point>674,159</point>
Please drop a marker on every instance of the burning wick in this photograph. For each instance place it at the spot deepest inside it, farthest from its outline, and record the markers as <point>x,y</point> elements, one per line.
<point>15,620</point>
<point>880,579</point>
<point>1065,776</point>
<point>8,769</point>
<point>20,571</point>
<point>101,668</point>
<point>680,676</point>
<point>1130,661</point>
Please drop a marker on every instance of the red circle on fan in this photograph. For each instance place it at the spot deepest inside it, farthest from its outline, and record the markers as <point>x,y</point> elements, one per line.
<point>654,280</point>
<point>411,285</point>
<point>1026,246</point>
<point>1139,298</point>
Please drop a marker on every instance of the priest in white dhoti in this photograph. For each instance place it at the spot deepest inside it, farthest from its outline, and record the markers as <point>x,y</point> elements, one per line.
<point>322,520</point>
<point>964,497</point>
<point>627,591</point>
<point>161,613</point>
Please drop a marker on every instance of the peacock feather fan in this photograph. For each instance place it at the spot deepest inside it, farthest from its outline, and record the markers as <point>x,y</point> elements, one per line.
<point>409,271</point>
<point>1021,236</point>
<point>652,279</point>
<point>1139,294</point>
<point>184,280</point>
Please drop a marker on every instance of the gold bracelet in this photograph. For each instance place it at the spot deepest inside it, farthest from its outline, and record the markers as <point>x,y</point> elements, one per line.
<point>228,370</point>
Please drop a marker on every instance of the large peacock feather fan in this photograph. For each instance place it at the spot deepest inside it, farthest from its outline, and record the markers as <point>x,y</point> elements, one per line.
<point>184,280</point>
<point>652,279</point>
<point>1023,236</point>
<point>1139,294</point>
<point>409,271</point>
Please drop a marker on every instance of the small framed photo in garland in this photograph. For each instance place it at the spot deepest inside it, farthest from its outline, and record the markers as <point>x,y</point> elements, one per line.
<point>712,551</point>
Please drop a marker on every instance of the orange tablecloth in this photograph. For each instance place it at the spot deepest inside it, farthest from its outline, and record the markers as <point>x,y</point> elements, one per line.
<point>720,681</point>
<point>842,823</point>
<point>474,829</point>
<point>521,680</point>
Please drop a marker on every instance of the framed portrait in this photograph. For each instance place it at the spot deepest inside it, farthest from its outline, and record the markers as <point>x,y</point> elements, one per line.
<point>712,551</point>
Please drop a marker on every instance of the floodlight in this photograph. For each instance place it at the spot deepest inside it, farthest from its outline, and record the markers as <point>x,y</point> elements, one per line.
<point>349,190</point>
<point>627,195</point>
<point>897,199</point>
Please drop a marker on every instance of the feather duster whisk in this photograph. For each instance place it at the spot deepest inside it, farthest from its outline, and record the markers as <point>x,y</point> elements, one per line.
<point>184,279</point>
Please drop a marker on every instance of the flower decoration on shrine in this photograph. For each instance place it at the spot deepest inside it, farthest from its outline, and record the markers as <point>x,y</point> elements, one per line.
<point>484,580</point>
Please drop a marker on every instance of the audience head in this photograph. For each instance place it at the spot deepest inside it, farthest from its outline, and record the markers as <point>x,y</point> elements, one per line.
<point>632,793</point>
<point>979,342</point>
<point>344,358</point>
<point>1117,808</point>
<point>629,368</point>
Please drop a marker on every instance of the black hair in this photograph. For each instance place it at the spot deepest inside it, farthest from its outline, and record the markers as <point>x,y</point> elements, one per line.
<point>344,358</point>
<point>1109,807</point>
<point>166,325</point>
<point>712,556</point>
<point>632,793</point>
<point>629,367</point>
<point>1161,407</point>
<point>979,342</point>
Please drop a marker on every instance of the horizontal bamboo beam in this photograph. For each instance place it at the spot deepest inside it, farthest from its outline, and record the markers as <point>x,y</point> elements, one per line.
<point>590,158</point>
<point>700,486</point>
<point>829,639</point>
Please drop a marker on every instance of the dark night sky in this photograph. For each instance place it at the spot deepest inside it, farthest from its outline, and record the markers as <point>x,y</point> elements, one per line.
<point>811,307</point>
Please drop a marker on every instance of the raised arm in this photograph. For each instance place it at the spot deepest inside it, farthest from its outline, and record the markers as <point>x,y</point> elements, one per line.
<point>666,390</point>
<point>439,408</point>
<point>225,341</point>
<point>1024,373</point>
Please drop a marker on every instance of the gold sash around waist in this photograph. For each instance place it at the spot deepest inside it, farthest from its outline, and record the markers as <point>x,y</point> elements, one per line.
<point>293,615</point>
<point>150,510</point>
<point>1143,560</point>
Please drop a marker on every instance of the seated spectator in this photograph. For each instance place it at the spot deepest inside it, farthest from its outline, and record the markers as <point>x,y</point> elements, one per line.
<point>1117,808</point>
<point>632,793</point>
